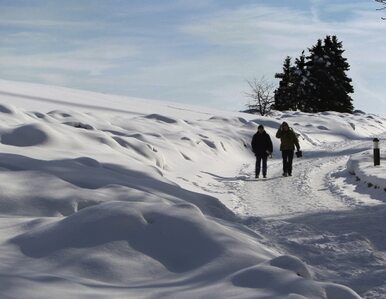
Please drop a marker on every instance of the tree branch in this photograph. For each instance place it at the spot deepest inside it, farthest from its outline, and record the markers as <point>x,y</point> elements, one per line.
<point>262,94</point>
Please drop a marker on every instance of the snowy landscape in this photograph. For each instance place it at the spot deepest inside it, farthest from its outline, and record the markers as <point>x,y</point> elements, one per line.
<point>105,196</point>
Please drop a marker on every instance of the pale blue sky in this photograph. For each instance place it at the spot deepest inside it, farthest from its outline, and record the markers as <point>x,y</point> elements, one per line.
<point>189,51</point>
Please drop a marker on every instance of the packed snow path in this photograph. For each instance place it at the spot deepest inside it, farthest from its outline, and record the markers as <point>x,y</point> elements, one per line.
<point>321,215</point>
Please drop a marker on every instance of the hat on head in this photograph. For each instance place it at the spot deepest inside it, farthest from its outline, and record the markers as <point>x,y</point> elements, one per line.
<point>260,127</point>
<point>284,124</point>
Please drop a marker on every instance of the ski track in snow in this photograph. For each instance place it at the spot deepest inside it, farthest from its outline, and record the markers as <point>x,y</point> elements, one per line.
<point>320,215</point>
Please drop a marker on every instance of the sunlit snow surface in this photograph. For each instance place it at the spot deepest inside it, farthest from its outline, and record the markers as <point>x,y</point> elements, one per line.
<point>105,196</point>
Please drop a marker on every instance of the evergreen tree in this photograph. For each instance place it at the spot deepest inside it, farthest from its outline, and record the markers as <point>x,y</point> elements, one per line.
<point>329,84</point>
<point>284,94</point>
<point>341,84</point>
<point>317,82</point>
<point>318,94</point>
<point>301,83</point>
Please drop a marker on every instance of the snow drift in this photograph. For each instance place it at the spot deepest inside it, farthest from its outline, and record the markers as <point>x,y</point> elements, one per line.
<point>362,166</point>
<point>107,196</point>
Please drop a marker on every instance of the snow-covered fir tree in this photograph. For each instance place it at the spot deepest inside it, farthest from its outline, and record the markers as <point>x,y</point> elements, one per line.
<point>301,83</point>
<point>285,94</point>
<point>317,82</point>
<point>330,86</point>
<point>340,82</point>
<point>318,94</point>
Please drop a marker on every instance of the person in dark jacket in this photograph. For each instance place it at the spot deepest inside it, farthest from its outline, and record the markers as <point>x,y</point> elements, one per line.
<point>262,147</point>
<point>289,141</point>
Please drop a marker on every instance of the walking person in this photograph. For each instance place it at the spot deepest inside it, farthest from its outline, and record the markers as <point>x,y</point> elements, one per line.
<point>262,148</point>
<point>288,142</point>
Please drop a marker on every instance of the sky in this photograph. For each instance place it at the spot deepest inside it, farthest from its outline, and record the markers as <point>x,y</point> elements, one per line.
<point>199,52</point>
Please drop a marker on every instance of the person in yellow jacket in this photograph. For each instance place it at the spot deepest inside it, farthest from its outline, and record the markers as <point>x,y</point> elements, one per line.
<point>288,142</point>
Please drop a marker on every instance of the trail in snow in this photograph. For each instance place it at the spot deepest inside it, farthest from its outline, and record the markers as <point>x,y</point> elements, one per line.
<point>321,216</point>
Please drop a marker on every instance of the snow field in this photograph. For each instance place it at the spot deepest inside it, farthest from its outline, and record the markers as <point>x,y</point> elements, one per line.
<point>106,196</point>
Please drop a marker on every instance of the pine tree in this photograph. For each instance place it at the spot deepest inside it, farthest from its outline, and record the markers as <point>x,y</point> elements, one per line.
<point>317,82</point>
<point>329,83</point>
<point>318,94</point>
<point>301,83</point>
<point>341,84</point>
<point>284,94</point>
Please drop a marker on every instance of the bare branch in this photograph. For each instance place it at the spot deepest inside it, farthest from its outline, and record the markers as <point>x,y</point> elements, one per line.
<point>262,95</point>
<point>383,2</point>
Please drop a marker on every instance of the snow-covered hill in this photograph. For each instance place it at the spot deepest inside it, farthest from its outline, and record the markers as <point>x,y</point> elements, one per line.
<point>111,197</point>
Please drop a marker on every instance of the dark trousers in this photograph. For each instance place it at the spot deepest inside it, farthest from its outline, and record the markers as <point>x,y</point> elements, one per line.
<point>288,156</point>
<point>261,158</point>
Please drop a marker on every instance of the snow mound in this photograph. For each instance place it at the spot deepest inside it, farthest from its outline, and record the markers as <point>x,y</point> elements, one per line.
<point>178,237</point>
<point>7,109</point>
<point>362,166</point>
<point>59,114</point>
<point>287,284</point>
<point>234,120</point>
<point>26,135</point>
<point>87,161</point>
<point>37,115</point>
<point>79,125</point>
<point>210,143</point>
<point>331,126</point>
<point>142,149</point>
<point>109,242</point>
<point>293,264</point>
<point>161,118</point>
<point>334,291</point>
